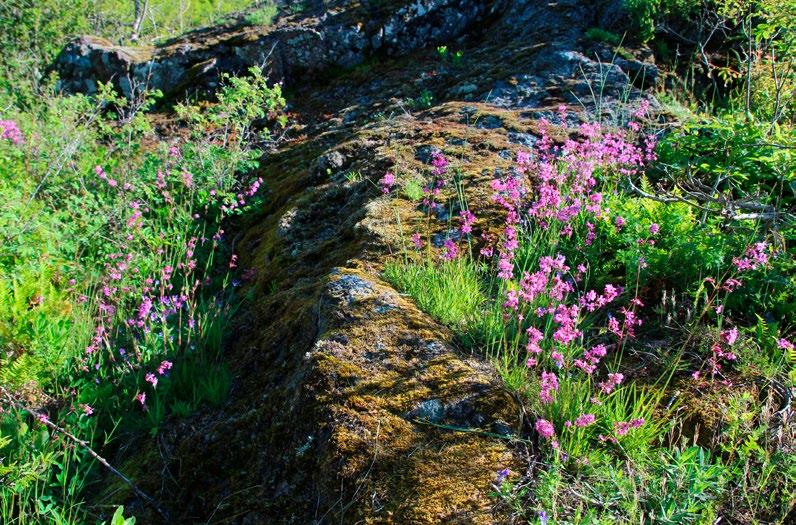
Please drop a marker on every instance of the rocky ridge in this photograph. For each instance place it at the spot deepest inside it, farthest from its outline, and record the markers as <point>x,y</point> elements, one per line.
<point>349,405</point>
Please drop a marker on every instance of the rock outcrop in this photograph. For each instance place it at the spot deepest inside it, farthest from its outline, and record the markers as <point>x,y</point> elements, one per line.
<point>349,405</point>
<point>339,33</point>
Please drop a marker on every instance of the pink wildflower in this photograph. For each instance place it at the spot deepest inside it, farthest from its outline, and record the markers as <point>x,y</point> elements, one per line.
<point>545,428</point>
<point>534,337</point>
<point>450,251</point>
<point>756,255</point>
<point>468,218</point>
<point>141,398</point>
<point>585,420</point>
<point>417,241</point>
<point>548,384</point>
<point>512,300</point>
<point>611,383</point>
<point>9,130</point>
<point>143,309</point>
<point>387,182</point>
<point>505,268</point>
<point>730,336</point>
<point>164,366</point>
<point>623,427</point>
<point>732,284</point>
<point>439,162</point>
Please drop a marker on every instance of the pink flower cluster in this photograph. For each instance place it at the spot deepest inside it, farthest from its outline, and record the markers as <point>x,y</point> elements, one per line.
<point>547,385</point>
<point>9,130</point>
<point>623,427</point>
<point>545,428</point>
<point>387,182</point>
<point>102,175</point>
<point>582,421</point>
<point>628,325</point>
<point>434,188</point>
<point>591,358</point>
<point>720,350</point>
<point>468,219</point>
<point>613,381</point>
<point>449,250</point>
<point>756,256</point>
<point>591,301</point>
<point>557,184</point>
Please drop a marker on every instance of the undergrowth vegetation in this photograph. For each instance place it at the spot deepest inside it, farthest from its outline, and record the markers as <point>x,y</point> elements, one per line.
<point>116,275</point>
<point>116,279</point>
<point>607,298</point>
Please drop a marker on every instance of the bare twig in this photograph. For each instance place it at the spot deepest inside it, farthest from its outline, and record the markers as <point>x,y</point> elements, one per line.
<point>751,209</point>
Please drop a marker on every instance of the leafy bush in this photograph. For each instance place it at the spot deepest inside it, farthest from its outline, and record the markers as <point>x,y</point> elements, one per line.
<point>684,486</point>
<point>647,13</point>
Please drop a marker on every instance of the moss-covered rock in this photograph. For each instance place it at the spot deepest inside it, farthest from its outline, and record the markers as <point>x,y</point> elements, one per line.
<point>350,405</point>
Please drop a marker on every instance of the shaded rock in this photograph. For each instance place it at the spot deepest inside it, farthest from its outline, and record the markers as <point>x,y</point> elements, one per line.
<point>613,16</point>
<point>327,165</point>
<point>526,91</point>
<point>489,122</point>
<point>438,239</point>
<point>349,289</point>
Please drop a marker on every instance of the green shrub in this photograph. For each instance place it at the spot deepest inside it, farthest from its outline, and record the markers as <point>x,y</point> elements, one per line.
<point>647,13</point>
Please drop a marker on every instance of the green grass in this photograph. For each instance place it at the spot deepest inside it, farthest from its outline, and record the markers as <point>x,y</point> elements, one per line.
<point>601,35</point>
<point>451,292</point>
